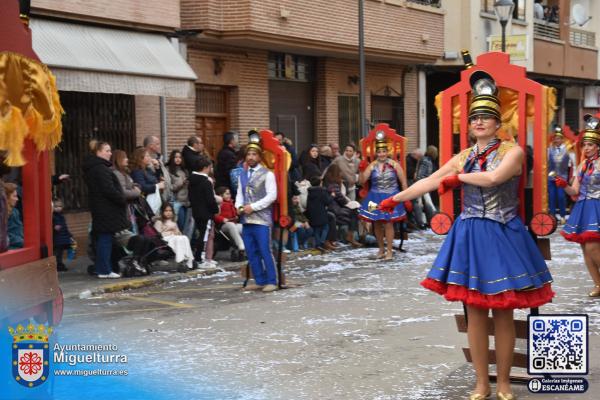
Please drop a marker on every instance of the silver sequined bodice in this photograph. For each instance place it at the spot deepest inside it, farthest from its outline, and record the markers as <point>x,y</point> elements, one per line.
<point>256,189</point>
<point>499,203</point>
<point>590,184</point>
<point>558,161</point>
<point>385,181</point>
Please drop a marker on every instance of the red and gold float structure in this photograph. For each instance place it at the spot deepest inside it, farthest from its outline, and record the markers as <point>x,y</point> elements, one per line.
<point>396,149</point>
<point>527,109</point>
<point>276,158</point>
<point>30,126</point>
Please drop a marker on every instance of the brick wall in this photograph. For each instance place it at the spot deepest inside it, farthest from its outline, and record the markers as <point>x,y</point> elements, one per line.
<point>180,122</point>
<point>326,102</point>
<point>78,223</point>
<point>390,25</point>
<point>147,117</point>
<point>161,13</point>
<point>216,14</point>
<point>332,81</point>
<point>244,73</point>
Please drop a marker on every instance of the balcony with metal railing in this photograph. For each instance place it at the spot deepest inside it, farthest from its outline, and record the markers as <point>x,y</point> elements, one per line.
<point>579,37</point>
<point>546,30</point>
<point>432,3</point>
<point>560,49</point>
<point>405,30</point>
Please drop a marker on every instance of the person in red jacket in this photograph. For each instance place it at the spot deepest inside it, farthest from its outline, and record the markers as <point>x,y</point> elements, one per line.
<point>228,221</point>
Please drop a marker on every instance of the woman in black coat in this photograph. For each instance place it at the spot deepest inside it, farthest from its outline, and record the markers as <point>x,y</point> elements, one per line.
<point>311,162</point>
<point>107,202</point>
<point>316,211</point>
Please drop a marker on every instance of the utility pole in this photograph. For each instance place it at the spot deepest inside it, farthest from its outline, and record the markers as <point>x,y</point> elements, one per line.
<point>364,129</point>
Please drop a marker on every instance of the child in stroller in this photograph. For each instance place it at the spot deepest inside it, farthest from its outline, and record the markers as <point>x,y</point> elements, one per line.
<point>138,254</point>
<point>178,242</point>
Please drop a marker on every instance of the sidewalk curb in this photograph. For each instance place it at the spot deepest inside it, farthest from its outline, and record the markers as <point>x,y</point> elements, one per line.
<point>151,280</point>
<point>145,281</point>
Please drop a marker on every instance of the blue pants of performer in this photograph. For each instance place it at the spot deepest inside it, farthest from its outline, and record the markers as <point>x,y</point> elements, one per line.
<point>555,192</point>
<point>257,240</point>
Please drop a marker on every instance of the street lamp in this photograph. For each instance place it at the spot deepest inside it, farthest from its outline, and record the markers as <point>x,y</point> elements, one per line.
<point>504,10</point>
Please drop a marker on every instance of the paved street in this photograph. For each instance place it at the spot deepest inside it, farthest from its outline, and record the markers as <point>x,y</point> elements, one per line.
<point>354,328</point>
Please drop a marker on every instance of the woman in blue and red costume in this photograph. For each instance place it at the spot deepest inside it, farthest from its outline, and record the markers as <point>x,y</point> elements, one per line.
<point>488,261</point>
<point>582,226</point>
<point>385,176</point>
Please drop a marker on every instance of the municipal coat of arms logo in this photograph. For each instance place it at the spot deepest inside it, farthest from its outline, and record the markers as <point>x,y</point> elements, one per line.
<point>30,354</point>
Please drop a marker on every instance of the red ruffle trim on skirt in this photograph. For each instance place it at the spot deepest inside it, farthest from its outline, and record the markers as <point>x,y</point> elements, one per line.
<point>582,237</point>
<point>510,299</point>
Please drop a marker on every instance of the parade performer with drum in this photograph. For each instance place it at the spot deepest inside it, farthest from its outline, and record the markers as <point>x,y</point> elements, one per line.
<point>385,177</point>
<point>489,260</point>
<point>582,226</point>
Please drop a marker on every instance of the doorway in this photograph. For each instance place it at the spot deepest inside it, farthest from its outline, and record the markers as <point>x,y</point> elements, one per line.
<point>212,117</point>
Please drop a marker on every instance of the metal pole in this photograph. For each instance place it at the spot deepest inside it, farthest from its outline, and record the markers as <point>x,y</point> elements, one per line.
<point>364,130</point>
<point>503,25</point>
<point>163,127</point>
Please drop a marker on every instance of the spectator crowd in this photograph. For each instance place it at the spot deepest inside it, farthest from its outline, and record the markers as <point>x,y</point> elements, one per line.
<point>188,200</point>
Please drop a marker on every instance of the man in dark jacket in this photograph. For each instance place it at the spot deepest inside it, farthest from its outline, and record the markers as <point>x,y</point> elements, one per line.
<point>202,200</point>
<point>316,210</point>
<point>107,203</point>
<point>192,152</point>
<point>226,159</point>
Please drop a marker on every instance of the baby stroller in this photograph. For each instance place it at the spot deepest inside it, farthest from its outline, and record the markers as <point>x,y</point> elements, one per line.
<point>126,253</point>
<point>137,254</point>
<point>155,248</point>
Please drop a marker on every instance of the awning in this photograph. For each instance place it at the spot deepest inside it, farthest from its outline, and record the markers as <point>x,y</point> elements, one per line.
<point>93,59</point>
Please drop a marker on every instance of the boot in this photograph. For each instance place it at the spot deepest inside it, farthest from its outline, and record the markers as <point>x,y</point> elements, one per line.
<point>241,255</point>
<point>329,246</point>
<point>350,239</point>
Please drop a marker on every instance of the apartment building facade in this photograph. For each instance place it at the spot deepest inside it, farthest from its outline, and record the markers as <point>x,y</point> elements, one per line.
<point>558,50</point>
<point>120,76</point>
<point>293,66</point>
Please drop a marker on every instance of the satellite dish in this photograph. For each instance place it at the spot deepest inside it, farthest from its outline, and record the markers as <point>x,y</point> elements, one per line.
<point>579,14</point>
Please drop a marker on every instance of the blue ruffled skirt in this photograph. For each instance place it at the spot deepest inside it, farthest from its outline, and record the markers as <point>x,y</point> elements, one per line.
<point>582,225</point>
<point>399,213</point>
<point>488,264</point>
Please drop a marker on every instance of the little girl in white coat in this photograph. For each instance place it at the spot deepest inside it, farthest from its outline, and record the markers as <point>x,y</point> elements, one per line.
<point>170,232</point>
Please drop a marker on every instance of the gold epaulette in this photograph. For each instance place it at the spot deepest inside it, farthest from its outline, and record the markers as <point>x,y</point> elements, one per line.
<point>462,157</point>
<point>505,146</point>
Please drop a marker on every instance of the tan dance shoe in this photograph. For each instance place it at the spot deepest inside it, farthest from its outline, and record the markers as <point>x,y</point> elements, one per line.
<point>595,292</point>
<point>479,396</point>
<point>505,396</point>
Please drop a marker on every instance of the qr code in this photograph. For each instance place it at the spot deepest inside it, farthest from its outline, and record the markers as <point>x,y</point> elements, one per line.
<point>558,344</point>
